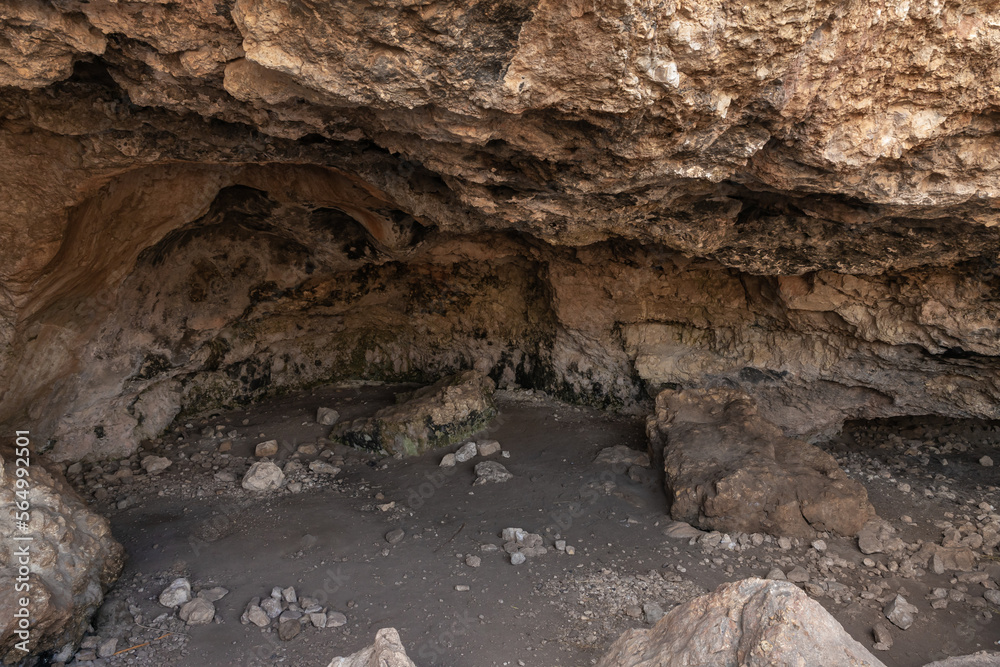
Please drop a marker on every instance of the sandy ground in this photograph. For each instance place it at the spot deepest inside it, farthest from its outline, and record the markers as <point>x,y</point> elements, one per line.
<point>328,540</point>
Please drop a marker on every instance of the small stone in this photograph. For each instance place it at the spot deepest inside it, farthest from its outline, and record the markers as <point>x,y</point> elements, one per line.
<point>198,611</point>
<point>266,448</point>
<point>272,607</point>
<point>491,472</point>
<point>986,462</point>
<point>570,550</point>
<point>448,461</point>
<point>288,630</point>
<point>461,588</point>
<point>868,562</point>
<point>107,648</point>
<point>258,616</point>
<point>513,534</point>
<point>318,619</point>
<point>288,594</point>
<point>900,612</point>
<point>263,476</point>
<point>335,619</point>
<point>473,561</point>
<point>776,574</point>
<point>488,447</point>
<point>561,545</point>
<point>154,465</point>
<point>903,487</point>
<point>633,611</point>
<point>653,612</point>
<point>466,452</point>
<point>225,446</point>
<point>85,656</point>
<point>176,594</point>
<point>784,543</point>
<point>798,575</point>
<point>819,545</point>
<point>225,476</point>
<point>395,536</point>
<point>323,468</point>
<point>327,416</point>
<point>993,597</point>
<point>307,449</point>
<point>883,636</point>
<point>517,558</point>
<point>294,487</point>
<point>213,594</point>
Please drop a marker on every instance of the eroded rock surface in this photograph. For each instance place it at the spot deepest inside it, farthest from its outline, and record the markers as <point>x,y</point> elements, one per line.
<point>599,202</point>
<point>436,416</point>
<point>750,622</point>
<point>729,469</point>
<point>387,651</point>
<point>73,560</point>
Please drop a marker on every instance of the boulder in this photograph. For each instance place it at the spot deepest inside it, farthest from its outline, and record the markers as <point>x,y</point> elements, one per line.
<point>73,560</point>
<point>387,651</point>
<point>979,659</point>
<point>750,623</point>
<point>436,416</point>
<point>728,469</point>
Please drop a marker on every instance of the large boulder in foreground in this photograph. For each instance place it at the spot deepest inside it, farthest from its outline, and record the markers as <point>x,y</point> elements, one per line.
<point>729,469</point>
<point>442,414</point>
<point>751,623</point>
<point>387,651</point>
<point>72,559</point>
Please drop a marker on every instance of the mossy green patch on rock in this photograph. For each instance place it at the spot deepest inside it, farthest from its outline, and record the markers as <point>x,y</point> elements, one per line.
<point>444,413</point>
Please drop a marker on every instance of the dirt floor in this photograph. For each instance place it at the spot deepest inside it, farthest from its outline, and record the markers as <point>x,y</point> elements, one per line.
<point>325,535</point>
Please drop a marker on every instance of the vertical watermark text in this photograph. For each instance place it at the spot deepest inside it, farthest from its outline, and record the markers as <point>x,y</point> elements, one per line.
<point>22,538</point>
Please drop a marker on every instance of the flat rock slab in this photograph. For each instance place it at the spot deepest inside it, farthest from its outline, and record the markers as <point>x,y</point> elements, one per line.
<point>751,623</point>
<point>387,651</point>
<point>980,659</point>
<point>728,469</point>
<point>442,414</point>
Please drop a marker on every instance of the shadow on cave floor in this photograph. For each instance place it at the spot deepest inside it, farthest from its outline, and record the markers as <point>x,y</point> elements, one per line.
<point>328,540</point>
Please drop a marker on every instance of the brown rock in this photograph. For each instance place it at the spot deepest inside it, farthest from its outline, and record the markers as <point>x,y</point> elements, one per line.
<point>730,470</point>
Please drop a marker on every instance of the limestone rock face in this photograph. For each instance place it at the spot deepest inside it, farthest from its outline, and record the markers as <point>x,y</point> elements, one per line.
<point>752,622</point>
<point>730,470</point>
<point>387,651</point>
<point>436,416</point>
<point>800,200</point>
<point>72,557</point>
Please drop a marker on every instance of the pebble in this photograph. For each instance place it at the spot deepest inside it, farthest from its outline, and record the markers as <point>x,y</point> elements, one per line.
<point>335,619</point>
<point>775,574</point>
<point>488,447</point>
<point>318,619</point>
<point>784,543</point>
<point>517,558</point>
<point>819,545</point>
<point>395,536</point>
<point>323,468</point>
<point>258,616</point>
<point>288,630</point>
<point>308,449</point>
<point>798,575</point>
<point>561,545</point>
<point>327,416</point>
<point>176,594</point>
<point>473,561</point>
<point>986,462</point>
<point>263,476</point>
<point>107,648</point>
<point>883,637</point>
<point>993,597</point>
<point>900,612</point>
<point>653,612</point>
<point>154,465</point>
<point>466,452</point>
<point>266,448</point>
<point>461,587</point>
<point>198,611</point>
<point>491,472</point>
<point>213,594</point>
<point>448,461</point>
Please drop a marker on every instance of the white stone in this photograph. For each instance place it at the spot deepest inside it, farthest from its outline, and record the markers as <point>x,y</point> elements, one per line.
<point>466,452</point>
<point>154,465</point>
<point>327,416</point>
<point>176,594</point>
<point>263,476</point>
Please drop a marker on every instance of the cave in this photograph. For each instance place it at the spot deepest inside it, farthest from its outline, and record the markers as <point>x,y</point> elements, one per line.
<point>499,332</point>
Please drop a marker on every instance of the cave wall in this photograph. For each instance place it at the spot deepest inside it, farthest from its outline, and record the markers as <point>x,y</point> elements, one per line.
<point>207,202</point>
